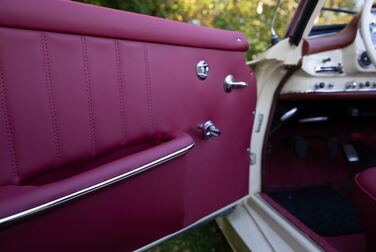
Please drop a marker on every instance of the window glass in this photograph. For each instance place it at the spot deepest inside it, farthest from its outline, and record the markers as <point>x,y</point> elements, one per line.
<point>328,15</point>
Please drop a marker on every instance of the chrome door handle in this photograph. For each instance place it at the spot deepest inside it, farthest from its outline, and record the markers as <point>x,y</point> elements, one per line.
<point>230,83</point>
<point>329,69</point>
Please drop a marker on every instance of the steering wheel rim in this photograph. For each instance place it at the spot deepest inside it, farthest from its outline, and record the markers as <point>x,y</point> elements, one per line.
<point>365,30</point>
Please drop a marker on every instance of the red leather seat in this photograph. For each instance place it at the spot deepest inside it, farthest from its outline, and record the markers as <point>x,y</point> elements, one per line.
<point>365,197</point>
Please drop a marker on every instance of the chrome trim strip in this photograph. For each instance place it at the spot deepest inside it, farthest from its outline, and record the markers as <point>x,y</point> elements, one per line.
<point>322,35</point>
<point>64,199</point>
<point>314,119</point>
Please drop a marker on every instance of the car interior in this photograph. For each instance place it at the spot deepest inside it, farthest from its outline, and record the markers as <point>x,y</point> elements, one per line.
<point>322,141</point>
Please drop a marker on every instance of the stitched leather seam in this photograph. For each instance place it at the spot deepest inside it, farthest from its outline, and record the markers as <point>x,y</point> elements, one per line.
<point>148,90</point>
<point>122,100</point>
<point>51,97</point>
<point>89,96</point>
<point>8,126</point>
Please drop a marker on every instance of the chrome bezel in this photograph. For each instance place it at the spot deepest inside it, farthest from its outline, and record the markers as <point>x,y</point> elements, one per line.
<point>202,69</point>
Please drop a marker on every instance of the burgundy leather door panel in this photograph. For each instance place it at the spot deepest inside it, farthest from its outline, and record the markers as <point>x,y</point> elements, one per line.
<point>88,94</point>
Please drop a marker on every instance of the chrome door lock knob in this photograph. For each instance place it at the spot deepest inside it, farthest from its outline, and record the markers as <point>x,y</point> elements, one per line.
<point>209,130</point>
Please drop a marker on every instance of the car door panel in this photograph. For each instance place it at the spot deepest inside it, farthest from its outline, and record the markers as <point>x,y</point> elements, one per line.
<point>76,18</point>
<point>89,94</point>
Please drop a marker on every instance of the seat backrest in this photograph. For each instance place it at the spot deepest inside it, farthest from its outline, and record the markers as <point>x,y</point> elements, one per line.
<point>365,197</point>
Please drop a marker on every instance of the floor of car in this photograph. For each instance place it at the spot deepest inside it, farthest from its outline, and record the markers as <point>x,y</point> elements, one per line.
<point>315,191</point>
<point>332,238</point>
<point>308,178</point>
<point>348,243</point>
<point>323,209</point>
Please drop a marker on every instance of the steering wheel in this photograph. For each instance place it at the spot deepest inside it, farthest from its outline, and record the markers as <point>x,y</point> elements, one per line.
<point>367,23</point>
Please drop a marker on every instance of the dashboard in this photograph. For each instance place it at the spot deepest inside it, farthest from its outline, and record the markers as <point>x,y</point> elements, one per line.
<point>346,70</point>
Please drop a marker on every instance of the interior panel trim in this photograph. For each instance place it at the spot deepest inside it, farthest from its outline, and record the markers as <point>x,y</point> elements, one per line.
<point>82,192</point>
<point>318,96</point>
<point>339,40</point>
<point>85,19</point>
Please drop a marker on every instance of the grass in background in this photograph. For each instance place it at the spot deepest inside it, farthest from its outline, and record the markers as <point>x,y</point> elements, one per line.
<point>207,237</point>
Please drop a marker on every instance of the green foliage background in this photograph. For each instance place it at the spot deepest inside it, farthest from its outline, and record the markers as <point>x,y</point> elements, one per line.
<point>252,17</point>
